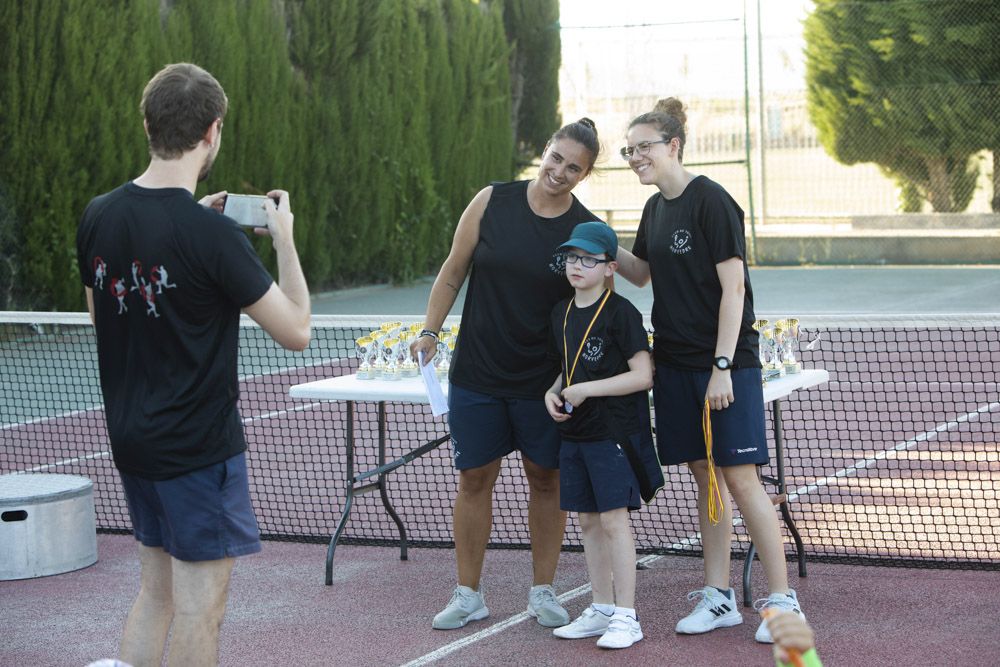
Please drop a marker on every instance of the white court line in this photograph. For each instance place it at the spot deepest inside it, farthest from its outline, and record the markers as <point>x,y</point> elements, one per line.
<point>65,462</point>
<point>246,420</point>
<point>485,633</point>
<point>868,461</point>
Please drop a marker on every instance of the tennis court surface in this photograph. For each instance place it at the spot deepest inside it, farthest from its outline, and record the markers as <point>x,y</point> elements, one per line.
<point>892,468</point>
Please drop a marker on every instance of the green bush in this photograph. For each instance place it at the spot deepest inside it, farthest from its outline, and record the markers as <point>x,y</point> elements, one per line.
<point>382,119</point>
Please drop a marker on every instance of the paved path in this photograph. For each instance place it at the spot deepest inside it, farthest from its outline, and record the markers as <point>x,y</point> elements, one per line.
<point>790,291</point>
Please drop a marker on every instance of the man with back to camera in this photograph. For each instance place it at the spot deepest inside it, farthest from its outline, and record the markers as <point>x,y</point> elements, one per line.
<point>168,363</point>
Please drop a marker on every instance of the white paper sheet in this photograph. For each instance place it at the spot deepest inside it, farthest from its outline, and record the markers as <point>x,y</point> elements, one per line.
<point>439,404</point>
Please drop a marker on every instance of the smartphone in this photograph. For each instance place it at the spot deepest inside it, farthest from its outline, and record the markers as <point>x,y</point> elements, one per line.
<point>247,210</point>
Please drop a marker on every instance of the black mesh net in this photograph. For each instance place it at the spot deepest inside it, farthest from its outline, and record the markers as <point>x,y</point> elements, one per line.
<point>893,461</point>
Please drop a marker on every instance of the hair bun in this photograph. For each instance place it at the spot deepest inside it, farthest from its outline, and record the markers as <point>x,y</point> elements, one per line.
<point>672,107</point>
<point>589,123</point>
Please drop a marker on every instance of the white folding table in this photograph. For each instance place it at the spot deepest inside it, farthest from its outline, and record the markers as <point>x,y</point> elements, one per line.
<point>350,389</point>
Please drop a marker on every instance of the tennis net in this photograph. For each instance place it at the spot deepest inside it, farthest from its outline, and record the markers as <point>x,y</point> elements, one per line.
<point>894,461</point>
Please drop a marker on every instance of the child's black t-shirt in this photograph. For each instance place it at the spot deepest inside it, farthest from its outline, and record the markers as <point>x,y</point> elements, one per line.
<point>616,336</point>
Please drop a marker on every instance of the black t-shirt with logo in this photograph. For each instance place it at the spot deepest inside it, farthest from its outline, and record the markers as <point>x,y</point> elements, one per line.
<point>683,239</point>
<point>518,274</point>
<point>615,337</point>
<point>169,278</point>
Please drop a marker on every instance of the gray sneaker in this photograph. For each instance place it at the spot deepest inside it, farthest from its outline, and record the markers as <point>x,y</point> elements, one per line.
<point>543,605</point>
<point>465,605</point>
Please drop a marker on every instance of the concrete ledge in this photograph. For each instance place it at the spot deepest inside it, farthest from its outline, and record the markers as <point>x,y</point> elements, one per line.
<point>799,247</point>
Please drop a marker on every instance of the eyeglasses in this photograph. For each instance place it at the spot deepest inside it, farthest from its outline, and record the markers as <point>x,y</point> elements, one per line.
<point>642,148</point>
<point>587,261</point>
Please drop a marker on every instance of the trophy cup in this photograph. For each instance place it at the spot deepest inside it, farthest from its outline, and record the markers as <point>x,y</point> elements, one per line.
<point>390,352</point>
<point>362,349</point>
<point>407,366</point>
<point>442,360</point>
<point>767,351</point>
<point>376,362</point>
<point>790,345</point>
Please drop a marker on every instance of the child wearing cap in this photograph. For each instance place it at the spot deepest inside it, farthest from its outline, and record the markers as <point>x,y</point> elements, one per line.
<point>607,461</point>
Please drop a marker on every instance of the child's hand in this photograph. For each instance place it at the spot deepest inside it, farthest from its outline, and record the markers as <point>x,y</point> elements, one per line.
<point>575,394</point>
<point>554,404</point>
<point>792,635</point>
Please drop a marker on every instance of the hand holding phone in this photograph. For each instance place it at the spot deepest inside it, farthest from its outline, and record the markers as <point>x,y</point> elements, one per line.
<point>248,210</point>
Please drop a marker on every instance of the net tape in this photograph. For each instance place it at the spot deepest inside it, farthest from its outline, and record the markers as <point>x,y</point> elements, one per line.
<point>894,461</point>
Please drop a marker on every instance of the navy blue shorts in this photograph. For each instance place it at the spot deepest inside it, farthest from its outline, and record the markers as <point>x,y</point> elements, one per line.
<point>597,477</point>
<point>738,435</point>
<point>202,515</point>
<point>485,428</point>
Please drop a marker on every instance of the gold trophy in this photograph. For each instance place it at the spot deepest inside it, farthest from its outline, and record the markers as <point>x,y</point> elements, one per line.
<point>790,345</point>
<point>390,352</point>
<point>363,350</point>
<point>767,351</point>
<point>442,360</point>
<point>407,366</point>
<point>377,357</point>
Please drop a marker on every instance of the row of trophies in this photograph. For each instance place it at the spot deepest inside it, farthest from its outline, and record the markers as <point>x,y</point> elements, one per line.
<point>384,354</point>
<point>779,347</point>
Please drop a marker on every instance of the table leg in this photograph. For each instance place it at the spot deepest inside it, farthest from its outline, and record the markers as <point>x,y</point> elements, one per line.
<point>382,485</point>
<point>786,513</point>
<point>349,500</point>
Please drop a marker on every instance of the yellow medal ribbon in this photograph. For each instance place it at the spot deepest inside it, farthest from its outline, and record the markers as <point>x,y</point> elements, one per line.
<point>571,370</point>
<point>714,495</point>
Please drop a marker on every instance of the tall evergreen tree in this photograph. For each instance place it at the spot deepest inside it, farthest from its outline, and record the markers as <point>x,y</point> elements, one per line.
<point>532,29</point>
<point>895,83</point>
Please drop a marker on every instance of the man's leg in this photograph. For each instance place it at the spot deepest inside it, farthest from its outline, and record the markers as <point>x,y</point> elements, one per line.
<point>473,520</point>
<point>148,621</point>
<point>546,522</point>
<point>716,539</point>
<point>200,592</point>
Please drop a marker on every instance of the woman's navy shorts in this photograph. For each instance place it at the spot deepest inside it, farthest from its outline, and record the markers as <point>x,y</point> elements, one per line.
<point>738,435</point>
<point>485,428</point>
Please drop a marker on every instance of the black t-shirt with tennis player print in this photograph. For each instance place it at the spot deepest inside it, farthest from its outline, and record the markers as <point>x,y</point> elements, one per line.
<point>518,274</point>
<point>683,239</point>
<point>169,278</point>
<point>616,336</point>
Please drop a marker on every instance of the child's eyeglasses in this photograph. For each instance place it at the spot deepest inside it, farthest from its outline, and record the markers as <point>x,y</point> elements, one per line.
<point>587,261</point>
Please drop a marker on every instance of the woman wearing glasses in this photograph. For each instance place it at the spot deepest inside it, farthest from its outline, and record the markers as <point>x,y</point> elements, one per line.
<point>508,236</point>
<point>691,244</point>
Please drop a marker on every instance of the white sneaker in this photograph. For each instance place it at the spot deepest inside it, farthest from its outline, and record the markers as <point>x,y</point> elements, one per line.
<point>591,623</point>
<point>714,610</point>
<point>622,632</point>
<point>543,605</point>
<point>465,605</point>
<point>778,601</point>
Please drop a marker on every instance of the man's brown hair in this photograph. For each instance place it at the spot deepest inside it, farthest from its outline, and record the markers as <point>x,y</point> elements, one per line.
<point>179,104</point>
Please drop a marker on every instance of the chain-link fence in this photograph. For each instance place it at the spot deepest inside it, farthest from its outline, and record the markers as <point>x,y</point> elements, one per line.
<point>912,114</point>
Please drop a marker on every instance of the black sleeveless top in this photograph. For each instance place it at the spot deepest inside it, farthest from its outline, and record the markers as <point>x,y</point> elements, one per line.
<point>518,275</point>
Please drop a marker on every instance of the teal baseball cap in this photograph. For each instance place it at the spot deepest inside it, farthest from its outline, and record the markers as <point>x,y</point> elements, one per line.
<point>593,237</point>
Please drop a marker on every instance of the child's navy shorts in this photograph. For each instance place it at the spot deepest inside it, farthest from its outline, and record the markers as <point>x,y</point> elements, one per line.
<point>597,477</point>
<point>738,435</point>
<point>485,428</point>
<point>202,515</point>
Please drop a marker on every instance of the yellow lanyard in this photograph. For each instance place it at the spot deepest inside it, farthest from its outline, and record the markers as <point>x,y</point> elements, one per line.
<point>571,370</point>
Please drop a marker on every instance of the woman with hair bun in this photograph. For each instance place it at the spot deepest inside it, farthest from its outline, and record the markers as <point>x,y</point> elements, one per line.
<point>691,244</point>
<point>509,237</point>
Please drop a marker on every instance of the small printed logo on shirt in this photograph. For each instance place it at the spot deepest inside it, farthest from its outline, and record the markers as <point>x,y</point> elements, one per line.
<point>558,264</point>
<point>680,242</point>
<point>593,349</point>
<point>746,451</point>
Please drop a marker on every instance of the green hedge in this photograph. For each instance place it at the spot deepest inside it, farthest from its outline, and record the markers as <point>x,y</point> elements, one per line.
<point>381,118</point>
